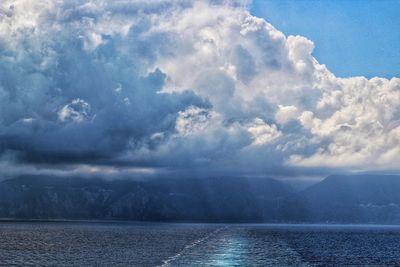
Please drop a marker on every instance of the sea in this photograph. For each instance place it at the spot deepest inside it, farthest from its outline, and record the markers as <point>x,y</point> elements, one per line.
<point>180,244</point>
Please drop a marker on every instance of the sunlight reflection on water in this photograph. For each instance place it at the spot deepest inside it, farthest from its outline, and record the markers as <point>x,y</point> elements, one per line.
<point>219,250</point>
<point>230,254</point>
<point>238,247</point>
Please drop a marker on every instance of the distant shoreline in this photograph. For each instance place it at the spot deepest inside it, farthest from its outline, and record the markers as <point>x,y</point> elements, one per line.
<point>2,220</point>
<point>11,220</point>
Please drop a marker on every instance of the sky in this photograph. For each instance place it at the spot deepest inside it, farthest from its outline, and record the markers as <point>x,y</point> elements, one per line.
<point>353,37</point>
<point>132,88</point>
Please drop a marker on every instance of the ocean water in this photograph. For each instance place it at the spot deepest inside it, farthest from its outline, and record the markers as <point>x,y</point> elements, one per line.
<point>148,244</point>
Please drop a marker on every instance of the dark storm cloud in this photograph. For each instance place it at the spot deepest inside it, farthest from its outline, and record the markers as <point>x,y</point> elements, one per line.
<point>63,103</point>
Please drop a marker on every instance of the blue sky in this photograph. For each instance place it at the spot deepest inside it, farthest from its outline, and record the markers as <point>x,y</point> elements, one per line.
<point>352,37</point>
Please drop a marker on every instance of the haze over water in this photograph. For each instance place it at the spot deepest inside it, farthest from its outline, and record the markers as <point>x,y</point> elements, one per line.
<point>147,244</point>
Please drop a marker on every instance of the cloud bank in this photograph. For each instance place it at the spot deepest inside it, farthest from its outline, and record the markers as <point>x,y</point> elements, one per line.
<point>186,86</point>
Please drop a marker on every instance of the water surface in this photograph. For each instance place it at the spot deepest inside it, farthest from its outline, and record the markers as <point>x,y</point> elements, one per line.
<point>150,244</point>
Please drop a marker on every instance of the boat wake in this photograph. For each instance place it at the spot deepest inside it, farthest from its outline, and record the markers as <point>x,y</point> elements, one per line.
<point>187,248</point>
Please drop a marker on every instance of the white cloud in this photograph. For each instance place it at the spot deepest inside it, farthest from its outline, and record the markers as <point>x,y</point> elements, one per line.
<point>361,128</point>
<point>78,110</point>
<point>352,119</point>
<point>200,81</point>
<point>286,113</point>
<point>262,133</point>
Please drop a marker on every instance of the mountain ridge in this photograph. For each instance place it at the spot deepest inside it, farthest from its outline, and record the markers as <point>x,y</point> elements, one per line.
<point>337,199</point>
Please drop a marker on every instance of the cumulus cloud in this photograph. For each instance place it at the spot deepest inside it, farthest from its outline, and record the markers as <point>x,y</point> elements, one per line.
<point>285,114</point>
<point>361,128</point>
<point>261,132</point>
<point>78,110</point>
<point>181,85</point>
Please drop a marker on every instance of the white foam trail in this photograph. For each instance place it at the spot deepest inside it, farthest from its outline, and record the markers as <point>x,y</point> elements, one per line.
<point>171,259</point>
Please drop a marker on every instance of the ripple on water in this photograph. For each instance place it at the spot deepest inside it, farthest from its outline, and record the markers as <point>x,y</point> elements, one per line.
<point>124,244</point>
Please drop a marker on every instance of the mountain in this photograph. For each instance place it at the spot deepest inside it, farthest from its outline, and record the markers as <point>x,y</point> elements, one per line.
<point>347,199</point>
<point>208,199</point>
<point>336,199</point>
